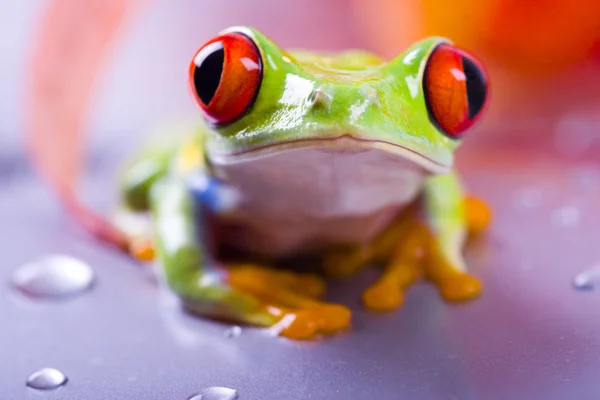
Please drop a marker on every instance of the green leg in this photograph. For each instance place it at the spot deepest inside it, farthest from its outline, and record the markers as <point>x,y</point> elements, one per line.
<point>411,247</point>
<point>139,177</point>
<point>165,146</point>
<point>450,217</point>
<point>244,293</point>
<point>136,183</point>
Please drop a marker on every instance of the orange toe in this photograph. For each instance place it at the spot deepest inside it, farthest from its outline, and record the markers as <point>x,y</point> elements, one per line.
<point>142,250</point>
<point>310,285</point>
<point>307,323</point>
<point>302,326</point>
<point>332,317</point>
<point>479,215</point>
<point>383,296</point>
<point>344,264</point>
<point>460,287</point>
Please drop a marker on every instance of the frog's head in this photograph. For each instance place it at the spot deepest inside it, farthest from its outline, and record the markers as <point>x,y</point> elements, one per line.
<point>259,99</point>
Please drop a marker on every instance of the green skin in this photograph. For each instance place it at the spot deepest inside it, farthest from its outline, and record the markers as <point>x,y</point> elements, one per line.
<point>303,96</point>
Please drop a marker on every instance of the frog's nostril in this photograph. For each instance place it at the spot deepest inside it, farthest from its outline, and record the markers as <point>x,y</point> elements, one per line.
<point>320,98</point>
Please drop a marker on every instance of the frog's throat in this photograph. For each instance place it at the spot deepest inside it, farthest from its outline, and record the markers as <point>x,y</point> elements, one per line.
<point>338,143</point>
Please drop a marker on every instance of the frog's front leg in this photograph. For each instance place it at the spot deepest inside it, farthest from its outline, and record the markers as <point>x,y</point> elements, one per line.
<point>244,293</point>
<point>413,246</point>
<point>451,218</point>
<point>403,266</point>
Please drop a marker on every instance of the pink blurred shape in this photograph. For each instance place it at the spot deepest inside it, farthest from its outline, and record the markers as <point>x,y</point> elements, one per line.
<point>72,47</point>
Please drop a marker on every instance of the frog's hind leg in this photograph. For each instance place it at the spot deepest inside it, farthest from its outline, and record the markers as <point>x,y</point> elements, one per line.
<point>311,285</point>
<point>140,175</point>
<point>172,148</point>
<point>451,218</point>
<point>252,294</point>
<point>136,181</point>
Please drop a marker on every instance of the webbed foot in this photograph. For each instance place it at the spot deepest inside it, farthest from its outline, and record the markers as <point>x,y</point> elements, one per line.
<point>445,264</point>
<point>478,215</point>
<point>292,298</point>
<point>243,293</point>
<point>419,251</point>
<point>344,263</point>
<point>403,269</point>
<point>460,287</point>
<point>383,296</point>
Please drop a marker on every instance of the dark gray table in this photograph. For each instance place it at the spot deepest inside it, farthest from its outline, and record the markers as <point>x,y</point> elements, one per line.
<point>531,335</point>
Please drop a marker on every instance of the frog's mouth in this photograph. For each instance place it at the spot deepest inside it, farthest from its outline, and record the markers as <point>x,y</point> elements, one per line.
<point>343,144</point>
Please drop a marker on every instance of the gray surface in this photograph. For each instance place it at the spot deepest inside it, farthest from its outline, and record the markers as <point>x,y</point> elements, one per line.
<point>530,336</point>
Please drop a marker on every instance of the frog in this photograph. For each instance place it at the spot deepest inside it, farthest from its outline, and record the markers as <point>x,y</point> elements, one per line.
<point>344,159</point>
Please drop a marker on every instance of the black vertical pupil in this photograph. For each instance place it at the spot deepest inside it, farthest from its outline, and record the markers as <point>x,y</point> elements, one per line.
<point>476,86</point>
<point>207,75</point>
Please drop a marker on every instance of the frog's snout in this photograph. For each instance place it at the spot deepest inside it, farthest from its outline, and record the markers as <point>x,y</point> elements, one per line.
<point>370,94</point>
<point>321,98</point>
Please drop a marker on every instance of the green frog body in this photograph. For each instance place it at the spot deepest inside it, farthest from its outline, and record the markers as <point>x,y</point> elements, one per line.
<point>343,156</point>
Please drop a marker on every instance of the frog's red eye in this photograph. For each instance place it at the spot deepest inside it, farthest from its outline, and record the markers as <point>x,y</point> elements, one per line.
<point>455,87</point>
<point>225,77</point>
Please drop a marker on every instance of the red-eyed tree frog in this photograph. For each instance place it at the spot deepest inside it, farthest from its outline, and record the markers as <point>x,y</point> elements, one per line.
<point>344,159</point>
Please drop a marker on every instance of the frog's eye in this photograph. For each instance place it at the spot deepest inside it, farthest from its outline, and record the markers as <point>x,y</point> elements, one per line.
<point>225,77</point>
<point>455,87</point>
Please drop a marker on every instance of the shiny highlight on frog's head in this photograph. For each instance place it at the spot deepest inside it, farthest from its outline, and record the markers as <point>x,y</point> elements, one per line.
<point>257,97</point>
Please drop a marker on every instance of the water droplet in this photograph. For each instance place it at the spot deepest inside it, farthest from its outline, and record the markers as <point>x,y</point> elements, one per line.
<point>216,393</point>
<point>588,279</point>
<point>566,216</point>
<point>232,332</point>
<point>528,198</point>
<point>46,379</point>
<point>53,276</point>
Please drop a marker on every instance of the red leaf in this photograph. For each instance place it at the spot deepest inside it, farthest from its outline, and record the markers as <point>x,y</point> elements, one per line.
<point>68,55</point>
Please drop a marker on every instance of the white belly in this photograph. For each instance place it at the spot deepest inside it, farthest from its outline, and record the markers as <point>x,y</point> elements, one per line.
<point>317,196</point>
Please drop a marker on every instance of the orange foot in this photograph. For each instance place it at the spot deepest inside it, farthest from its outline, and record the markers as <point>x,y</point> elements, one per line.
<point>292,298</point>
<point>142,249</point>
<point>460,287</point>
<point>416,251</point>
<point>383,296</point>
<point>478,215</point>
<point>309,322</point>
